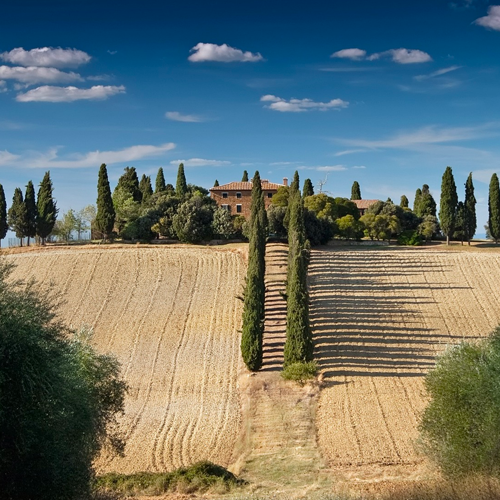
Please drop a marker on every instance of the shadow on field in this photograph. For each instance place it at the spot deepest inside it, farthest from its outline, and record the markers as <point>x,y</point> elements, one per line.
<point>368,327</point>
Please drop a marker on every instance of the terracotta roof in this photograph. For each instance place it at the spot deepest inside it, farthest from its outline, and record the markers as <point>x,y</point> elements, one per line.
<point>246,186</point>
<point>364,204</point>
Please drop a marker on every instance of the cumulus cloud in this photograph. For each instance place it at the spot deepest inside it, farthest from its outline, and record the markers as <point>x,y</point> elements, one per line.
<point>439,72</point>
<point>33,75</point>
<point>492,20</point>
<point>179,117</point>
<point>46,57</point>
<point>201,162</point>
<point>353,54</point>
<point>221,53</point>
<point>301,105</point>
<point>49,93</point>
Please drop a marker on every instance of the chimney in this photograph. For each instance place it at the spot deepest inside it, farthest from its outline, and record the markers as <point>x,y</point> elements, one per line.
<point>285,181</point>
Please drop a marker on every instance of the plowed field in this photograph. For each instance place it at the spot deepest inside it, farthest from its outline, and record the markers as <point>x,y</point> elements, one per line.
<point>171,316</point>
<point>379,318</point>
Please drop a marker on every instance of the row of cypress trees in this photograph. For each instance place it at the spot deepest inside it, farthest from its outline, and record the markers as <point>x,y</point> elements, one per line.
<point>29,217</point>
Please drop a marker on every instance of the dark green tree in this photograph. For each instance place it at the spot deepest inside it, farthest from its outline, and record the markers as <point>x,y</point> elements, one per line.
<point>308,189</point>
<point>128,184</point>
<point>295,185</point>
<point>105,218</point>
<point>404,202</point>
<point>416,201</point>
<point>160,181</point>
<point>31,211</point>
<point>216,183</point>
<point>459,231</point>
<point>426,205</point>
<point>193,221</point>
<point>17,216</point>
<point>494,208</point>
<point>46,209</point>
<point>355,191</point>
<point>470,221</point>
<point>245,176</point>
<point>181,187</point>
<point>4,226</point>
<point>448,204</point>
<point>145,187</point>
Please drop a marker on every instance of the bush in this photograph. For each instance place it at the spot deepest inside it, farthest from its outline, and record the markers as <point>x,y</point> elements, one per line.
<point>193,221</point>
<point>410,238</point>
<point>300,372</point>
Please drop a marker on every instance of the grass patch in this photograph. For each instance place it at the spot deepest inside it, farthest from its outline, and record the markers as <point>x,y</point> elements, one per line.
<point>300,372</point>
<point>200,477</point>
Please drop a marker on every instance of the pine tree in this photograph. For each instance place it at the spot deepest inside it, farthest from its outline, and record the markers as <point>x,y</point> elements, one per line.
<point>416,201</point>
<point>46,209</point>
<point>160,181</point>
<point>245,176</point>
<point>31,211</point>
<point>105,217</point>
<point>17,216</point>
<point>4,227</point>
<point>145,187</point>
<point>128,183</point>
<point>404,202</point>
<point>448,204</point>
<point>308,189</point>
<point>181,188</point>
<point>216,183</point>
<point>470,221</point>
<point>355,191</point>
<point>494,208</point>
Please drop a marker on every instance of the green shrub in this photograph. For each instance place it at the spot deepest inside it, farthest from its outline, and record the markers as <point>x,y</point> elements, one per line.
<point>410,238</point>
<point>300,372</point>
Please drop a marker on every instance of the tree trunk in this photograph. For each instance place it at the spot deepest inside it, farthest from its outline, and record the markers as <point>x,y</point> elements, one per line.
<point>447,239</point>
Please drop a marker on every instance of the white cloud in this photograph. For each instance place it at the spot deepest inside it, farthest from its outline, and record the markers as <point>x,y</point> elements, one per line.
<point>3,86</point>
<point>439,72</point>
<point>492,20</point>
<point>349,152</point>
<point>483,175</point>
<point>33,75</point>
<point>326,168</point>
<point>49,93</point>
<point>51,159</point>
<point>359,166</point>
<point>353,54</point>
<point>201,162</point>
<point>221,53</point>
<point>277,163</point>
<point>112,52</point>
<point>47,57</point>
<point>301,105</point>
<point>179,117</point>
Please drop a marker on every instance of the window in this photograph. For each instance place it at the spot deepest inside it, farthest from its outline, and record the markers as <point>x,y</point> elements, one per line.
<point>224,195</point>
<point>269,195</point>
<point>238,209</point>
<point>238,195</point>
<point>226,207</point>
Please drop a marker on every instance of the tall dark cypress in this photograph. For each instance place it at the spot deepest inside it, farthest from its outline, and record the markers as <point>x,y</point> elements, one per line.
<point>294,188</point>
<point>216,183</point>
<point>129,183</point>
<point>308,189</point>
<point>181,185</point>
<point>31,211</point>
<point>254,295</point>
<point>46,209</point>
<point>427,204</point>
<point>404,202</point>
<point>470,220</point>
<point>145,187</point>
<point>105,217</point>
<point>17,217</point>
<point>494,208</point>
<point>245,176</point>
<point>416,201</point>
<point>4,226</point>
<point>448,204</point>
<point>160,181</point>
<point>355,191</point>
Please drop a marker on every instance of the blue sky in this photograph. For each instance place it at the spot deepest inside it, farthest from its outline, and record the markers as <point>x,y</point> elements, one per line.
<point>387,93</point>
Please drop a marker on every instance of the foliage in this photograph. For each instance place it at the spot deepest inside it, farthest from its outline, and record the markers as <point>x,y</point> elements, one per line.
<point>494,208</point>
<point>223,225</point>
<point>17,215</point>
<point>416,201</point>
<point>275,220</point>
<point>346,207</point>
<point>308,189</point>
<point>216,183</point>
<point>350,228</point>
<point>280,198</point>
<point>193,221</point>
<point>58,399</point>
<point>65,226</point>
<point>318,231</point>
<point>459,230</point>
<point>125,207</point>
<point>145,187</point>
<point>460,428</point>
<point>355,191</point>
<point>105,216</point>
<point>85,219</point>
<point>160,181</point>
<point>322,205</point>
<point>407,218</point>
<point>31,211</point>
<point>426,204</point>
<point>3,215</point>
<point>404,203</point>
<point>245,176</point>
<point>128,184</point>
<point>382,226</point>
<point>428,227</point>
<point>140,228</point>
<point>448,204</point>
<point>199,477</point>
<point>300,372</point>
<point>46,208</point>
<point>410,238</point>
<point>470,221</point>
<point>181,185</point>
<point>238,222</point>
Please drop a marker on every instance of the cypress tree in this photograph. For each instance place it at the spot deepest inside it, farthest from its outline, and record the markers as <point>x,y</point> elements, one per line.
<point>426,205</point>
<point>308,189</point>
<point>145,187</point>
<point>46,209</point>
<point>416,201</point>
<point>355,191</point>
<point>17,217</point>
<point>181,186</point>
<point>404,202</point>
<point>129,183</point>
<point>105,217</point>
<point>31,212</point>
<point>459,231</point>
<point>254,296</point>
<point>160,181</point>
<point>216,183</point>
<point>470,221</point>
<point>494,208</point>
<point>448,204</point>
<point>245,176</point>
<point>4,227</point>
<point>295,185</point>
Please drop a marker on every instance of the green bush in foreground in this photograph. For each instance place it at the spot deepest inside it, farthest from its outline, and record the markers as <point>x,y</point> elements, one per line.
<point>200,477</point>
<point>300,372</point>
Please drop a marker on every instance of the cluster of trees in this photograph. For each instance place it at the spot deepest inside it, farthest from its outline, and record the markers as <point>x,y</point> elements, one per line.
<point>29,217</point>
